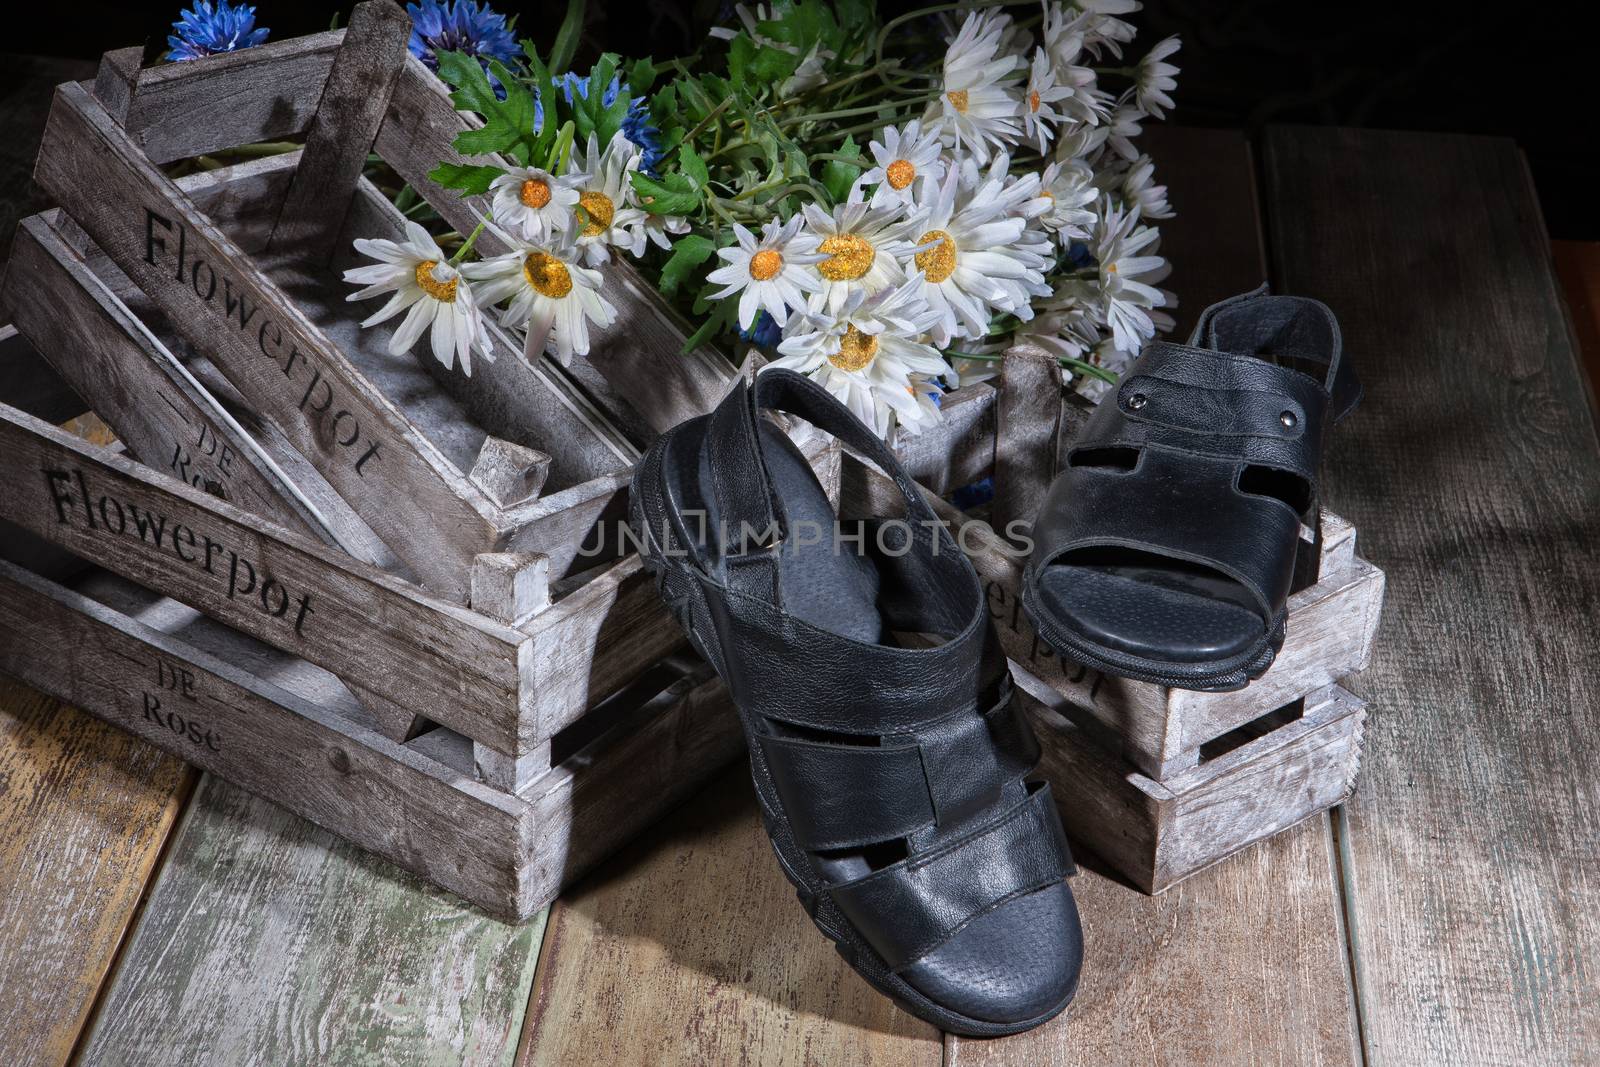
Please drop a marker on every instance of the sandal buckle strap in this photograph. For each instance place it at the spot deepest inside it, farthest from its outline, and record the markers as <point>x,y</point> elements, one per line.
<point>842,795</point>
<point>928,897</point>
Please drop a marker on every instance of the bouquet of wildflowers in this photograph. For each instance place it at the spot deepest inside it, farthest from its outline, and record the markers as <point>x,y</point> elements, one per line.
<point>884,206</point>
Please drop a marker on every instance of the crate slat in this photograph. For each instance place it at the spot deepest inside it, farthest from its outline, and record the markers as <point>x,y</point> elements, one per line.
<point>1158,833</point>
<point>139,388</point>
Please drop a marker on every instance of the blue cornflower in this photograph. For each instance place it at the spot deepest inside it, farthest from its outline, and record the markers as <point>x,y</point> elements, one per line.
<point>461,26</point>
<point>1079,256</point>
<point>970,496</point>
<point>571,83</point>
<point>204,30</point>
<point>637,127</point>
<point>763,332</point>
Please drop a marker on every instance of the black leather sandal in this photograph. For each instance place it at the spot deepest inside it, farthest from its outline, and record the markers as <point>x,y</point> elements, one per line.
<point>891,777</point>
<point>1166,549</point>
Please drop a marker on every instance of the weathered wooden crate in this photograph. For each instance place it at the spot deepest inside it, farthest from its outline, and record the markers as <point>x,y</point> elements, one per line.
<point>498,751</point>
<point>443,467</point>
<point>1249,784</point>
<point>281,727</point>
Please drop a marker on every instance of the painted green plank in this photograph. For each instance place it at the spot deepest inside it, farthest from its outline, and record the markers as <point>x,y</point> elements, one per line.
<point>267,940</point>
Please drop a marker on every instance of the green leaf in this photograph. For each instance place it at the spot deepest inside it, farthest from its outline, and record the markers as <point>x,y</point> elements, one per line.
<point>471,180</point>
<point>741,53</point>
<point>566,42</point>
<point>773,65</point>
<point>507,124</point>
<point>641,75</point>
<point>545,85</point>
<point>838,176</point>
<point>688,252</point>
<point>724,313</point>
<point>695,167</point>
<point>674,194</point>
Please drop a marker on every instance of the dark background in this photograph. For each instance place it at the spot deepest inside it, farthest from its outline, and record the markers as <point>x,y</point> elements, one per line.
<point>1520,70</point>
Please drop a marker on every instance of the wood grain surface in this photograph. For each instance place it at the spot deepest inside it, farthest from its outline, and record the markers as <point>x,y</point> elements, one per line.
<point>690,949</point>
<point>1473,474</point>
<point>1241,964</point>
<point>84,812</point>
<point>269,941</point>
<point>1578,269</point>
<point>354,97</point>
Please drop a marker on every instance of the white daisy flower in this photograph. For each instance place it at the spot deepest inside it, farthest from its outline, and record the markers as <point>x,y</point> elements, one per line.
<point>863,247</point>
<point>869,355</point>
<point>1155,78</point>
<point>1063,41</point>
<point>1038,103</point>
<point>421,279</point>
<point>903,156</point>
<point>660,228</point>
<point>973,257</point>
<point>1070,188</point>
<point>1101,29</point>
<point>1135,184</point>
<point>535,204</point>
<point>1082,143</point>
<point>1125,124</point>
<point>552,296</point>
<point>978,106</point>
<point>1070,332</point>
<point>609,216</point>
<point>771,272</point>
<point>1127,277</point>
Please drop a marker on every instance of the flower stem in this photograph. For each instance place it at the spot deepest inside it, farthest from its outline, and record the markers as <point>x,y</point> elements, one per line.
<point>968,5</point>
<point>466,246</point>
<point>1068,362</point>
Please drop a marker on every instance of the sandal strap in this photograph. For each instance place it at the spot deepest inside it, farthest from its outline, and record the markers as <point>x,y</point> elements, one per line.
<point>844,796</point>
<point>1197,418</point>
<point>907,910</point>
<point>1204,520</point>
<point>740,482</point>
<point>1339,381</point>
<point>1211,403</point>
<point>793,672</point>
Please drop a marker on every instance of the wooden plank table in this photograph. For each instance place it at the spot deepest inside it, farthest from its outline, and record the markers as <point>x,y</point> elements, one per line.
<point>1447,915</point>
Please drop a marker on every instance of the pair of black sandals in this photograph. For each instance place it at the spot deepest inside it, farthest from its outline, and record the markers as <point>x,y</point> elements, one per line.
<point>891,765</point>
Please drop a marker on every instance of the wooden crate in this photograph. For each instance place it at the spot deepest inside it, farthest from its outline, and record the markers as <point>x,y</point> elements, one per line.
<point>283,728</point>
<point>1260,779</point>
<point>443,467</point>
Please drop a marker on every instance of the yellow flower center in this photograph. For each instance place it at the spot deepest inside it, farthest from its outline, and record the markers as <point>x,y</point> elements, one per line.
<point>547,274</point>
<point>535,193</point>
<point>1033,100</point>
<point>901,173</point>
<point>850,255</point>
<point>856,350</point>
<point>939,262</point>
<point>444,292</point>
<point>958,100</point>
<point>765,264</point>
<point>600,210</point>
